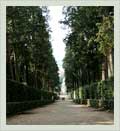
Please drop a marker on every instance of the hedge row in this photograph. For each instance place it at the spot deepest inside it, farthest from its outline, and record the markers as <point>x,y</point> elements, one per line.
<point>99,90</point>
<point>97,103</point>
<point>15,107</point>
<point>21,97</point>
<point>80,101</point>
<point>20,92</point>
<point>100,94</point>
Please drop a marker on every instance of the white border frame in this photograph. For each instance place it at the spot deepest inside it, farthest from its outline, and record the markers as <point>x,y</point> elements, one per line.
<point>116,4</point>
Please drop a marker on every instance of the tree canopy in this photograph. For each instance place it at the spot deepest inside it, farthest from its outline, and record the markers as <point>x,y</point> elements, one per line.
<point>87,44</point>
<point>29,52</point>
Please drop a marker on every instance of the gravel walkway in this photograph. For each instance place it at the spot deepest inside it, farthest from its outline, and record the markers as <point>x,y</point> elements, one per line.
<point>62,113</point>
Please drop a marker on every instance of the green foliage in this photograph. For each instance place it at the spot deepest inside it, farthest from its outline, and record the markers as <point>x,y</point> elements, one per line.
<point>100,94</point>
<point>17,107</point>
<point>101,90</point>
<point>21,97</point>
<point>18,92</point>
<point>81,101</point>
<point>83,58</point>
<point>94,103</point>
<point>105,36</point>
<point>88,43</point>
<point>29,51</point>
<point>108,104</point>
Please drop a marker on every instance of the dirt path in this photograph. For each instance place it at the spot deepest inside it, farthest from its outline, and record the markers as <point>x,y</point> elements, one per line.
<point>62,113</point>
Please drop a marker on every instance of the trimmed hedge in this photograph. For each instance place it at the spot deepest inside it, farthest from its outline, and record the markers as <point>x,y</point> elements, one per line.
<point>97,103</point>
<point>21,97</point>
<point>15,107</point>
<point>100,94</point>
<point>20,92</point>
<point>108,104</point>
<point>80,101</point>
<point>94,103</point>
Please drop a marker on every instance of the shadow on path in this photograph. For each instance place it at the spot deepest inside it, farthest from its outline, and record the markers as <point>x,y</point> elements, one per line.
<point>62,113</point>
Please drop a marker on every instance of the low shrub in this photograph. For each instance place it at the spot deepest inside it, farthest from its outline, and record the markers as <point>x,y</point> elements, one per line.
<point>97,103</point>
<point>80,101</point>
<point>108,104</point>
<point>14,107</point>
<point>101,94</point>
<point>84,101</point>
<point>21,97</point>
<point>20,92</point>
<point>94,103</point>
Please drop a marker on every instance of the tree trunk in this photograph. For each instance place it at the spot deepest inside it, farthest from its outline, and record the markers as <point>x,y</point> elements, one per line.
<point>16,68</point>
<point>43,82</point>
<point>24,70</point>
<point>27,73</point>
<point>105,69</point>
<point>14,56</point>
<point>35,77</point>
<point>9,59</point>
<point>110,63</point>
